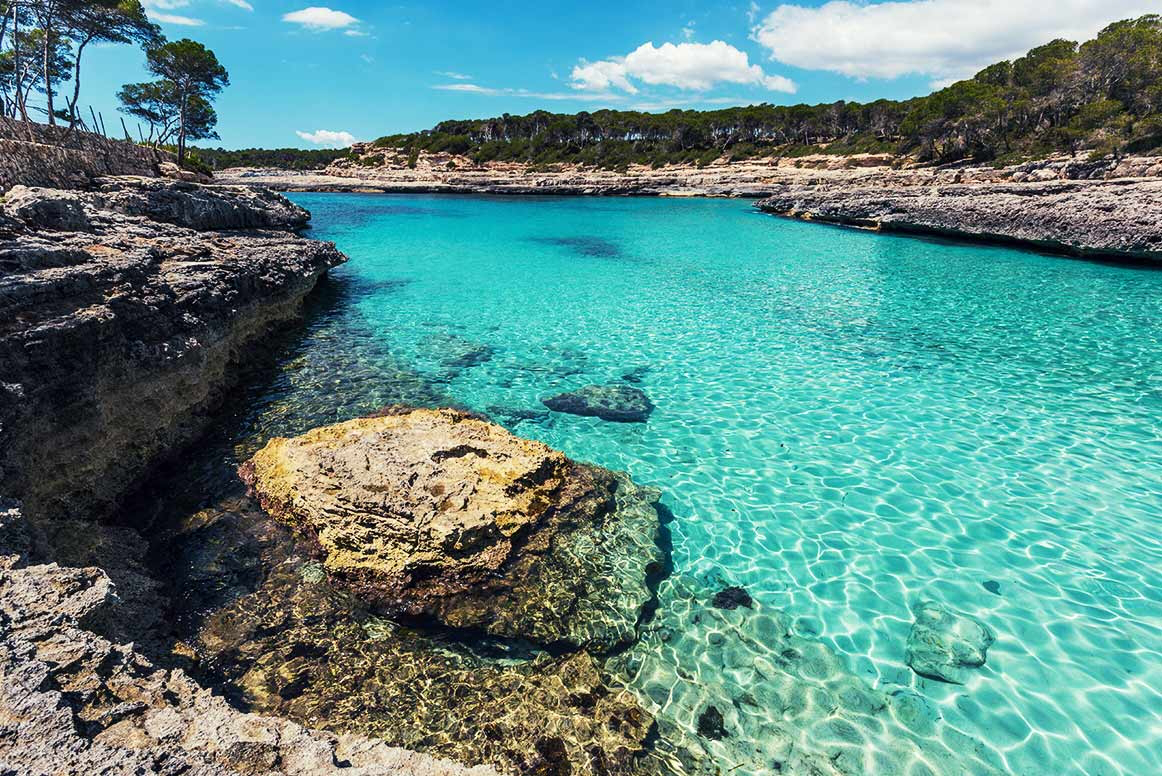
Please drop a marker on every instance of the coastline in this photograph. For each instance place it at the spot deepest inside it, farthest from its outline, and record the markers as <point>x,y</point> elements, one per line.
<point>1092,209</point>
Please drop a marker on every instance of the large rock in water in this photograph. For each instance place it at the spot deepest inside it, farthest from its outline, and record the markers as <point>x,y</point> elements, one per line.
<point>439,513</point>
<point>619,403</point>
<point>944,645</point>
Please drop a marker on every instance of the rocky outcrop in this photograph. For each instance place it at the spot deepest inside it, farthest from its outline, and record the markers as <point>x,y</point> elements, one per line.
<point>124,314</point>
<point>40,155</point>
<point>1119,218</point>
<point>380,170</point>
<point>944,644</point>
<point>618,403</point>
<point>440,514</point>
<point>71,701</point>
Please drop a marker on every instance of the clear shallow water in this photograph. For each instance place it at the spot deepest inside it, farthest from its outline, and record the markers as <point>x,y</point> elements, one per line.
<point>847,424</point>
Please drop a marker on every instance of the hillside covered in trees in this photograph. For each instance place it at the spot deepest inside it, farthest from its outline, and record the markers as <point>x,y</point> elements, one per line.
<point>1102,96</point>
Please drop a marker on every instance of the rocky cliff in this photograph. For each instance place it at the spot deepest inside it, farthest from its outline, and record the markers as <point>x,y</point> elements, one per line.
<point>39,155</point>
<point>124,312</point>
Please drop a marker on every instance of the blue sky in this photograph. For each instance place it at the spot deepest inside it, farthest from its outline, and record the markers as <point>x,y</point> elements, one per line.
<point>311,75</point>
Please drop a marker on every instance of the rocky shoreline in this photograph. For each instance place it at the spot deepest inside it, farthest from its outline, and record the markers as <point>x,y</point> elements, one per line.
<point>1099,208</point>
<point>127,310</point>
<point>1119,218</point>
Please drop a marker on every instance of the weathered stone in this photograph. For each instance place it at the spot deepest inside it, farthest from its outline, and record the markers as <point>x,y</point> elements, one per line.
<point>73,702</point>
<point>618,402</point>
<point>442,514</point>
<point>1106,218</point>
<point>39,155</point>
<point>118,340</point>
<point>944,644</point>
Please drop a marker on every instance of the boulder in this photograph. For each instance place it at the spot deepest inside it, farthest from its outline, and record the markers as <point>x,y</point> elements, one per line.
<point>944,644</point>
<point>618,402</point>
<point>441,514</point>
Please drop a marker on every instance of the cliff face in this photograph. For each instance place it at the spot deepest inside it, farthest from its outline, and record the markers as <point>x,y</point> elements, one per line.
<point>123,314</point>
<point>39,155</point>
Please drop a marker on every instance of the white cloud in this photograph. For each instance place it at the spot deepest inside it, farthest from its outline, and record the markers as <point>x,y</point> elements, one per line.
<point>328,138</point>
<point>454,75</point>
<point>943,39</point>
<point>158,11</point>
<point>695,66</point>
<point>319,19</point>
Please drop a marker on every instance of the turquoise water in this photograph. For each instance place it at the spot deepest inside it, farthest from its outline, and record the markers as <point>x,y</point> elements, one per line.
<point>847,424</point>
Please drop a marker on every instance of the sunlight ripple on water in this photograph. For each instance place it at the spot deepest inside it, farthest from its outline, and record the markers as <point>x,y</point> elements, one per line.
<point>846,424</point>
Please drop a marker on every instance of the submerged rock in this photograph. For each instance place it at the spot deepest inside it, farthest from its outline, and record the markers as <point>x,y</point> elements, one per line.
<point>455,352</point>
<point>943,644</point>
<point>438,513</point>
<point>732,598</point>
<point>618,402</point>
<point>514,415</point>
<point>711,724</point>
<point>73,701</point>
<point>306,651</point>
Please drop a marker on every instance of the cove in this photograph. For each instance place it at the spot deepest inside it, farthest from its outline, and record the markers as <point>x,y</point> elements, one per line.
<point>845,425</point>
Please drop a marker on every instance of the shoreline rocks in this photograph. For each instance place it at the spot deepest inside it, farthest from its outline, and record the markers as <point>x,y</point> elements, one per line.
<point>443,515</point>
<point>125,314</point>
<point>618,403</point>
<point>1118,218</point>
<point>71,701</point>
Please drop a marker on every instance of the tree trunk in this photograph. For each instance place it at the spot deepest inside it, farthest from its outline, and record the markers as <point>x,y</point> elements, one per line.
<point>48,74</point>
<point>182,132</point>
<point>20,102</point>
<point>76,84</point>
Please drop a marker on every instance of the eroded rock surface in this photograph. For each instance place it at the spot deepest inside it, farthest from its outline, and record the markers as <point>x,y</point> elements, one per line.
<point>1103,218</point>
<point>944,644</point>
<point>618,402</point>
<point>438,513</point>
<point>73,702</point>
<point>125,312</point>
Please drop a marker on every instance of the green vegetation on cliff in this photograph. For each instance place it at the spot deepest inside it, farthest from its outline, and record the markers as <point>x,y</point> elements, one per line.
<point>281,158</point>
<point>1104,95</point>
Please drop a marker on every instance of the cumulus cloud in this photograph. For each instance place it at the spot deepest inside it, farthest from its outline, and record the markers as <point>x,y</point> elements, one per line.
<point>694,66</point>
<point>328,138</point>
<point>943,39</point>
<point>158,11</point>
<point>319,19</point>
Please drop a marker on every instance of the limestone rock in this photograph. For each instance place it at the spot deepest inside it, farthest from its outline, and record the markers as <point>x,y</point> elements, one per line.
<point>73,702</point>
<point>944,644</point>
<point>124,313</point>
<point>618,402</point>
<point>301,649</point>
<point>1103,218</point>
<point>441,514</point>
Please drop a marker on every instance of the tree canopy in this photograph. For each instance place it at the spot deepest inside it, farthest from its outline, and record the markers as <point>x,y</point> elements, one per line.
<point>177,107</point>
<point>1104,95</point>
